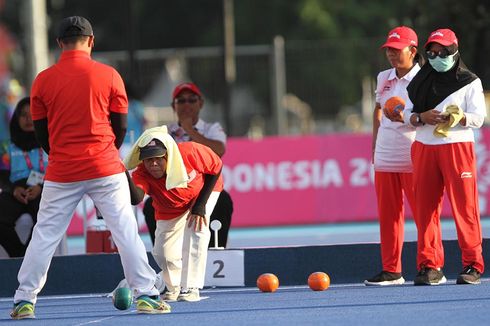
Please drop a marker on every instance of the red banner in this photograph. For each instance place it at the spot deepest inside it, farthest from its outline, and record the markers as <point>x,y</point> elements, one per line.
<point>300,180</point>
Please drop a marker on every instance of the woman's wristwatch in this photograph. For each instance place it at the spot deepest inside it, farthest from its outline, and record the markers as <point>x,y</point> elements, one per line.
<point>418,120</point>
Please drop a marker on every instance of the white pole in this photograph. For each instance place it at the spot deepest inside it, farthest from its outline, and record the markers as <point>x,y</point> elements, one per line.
<point>230,67</point>
<point>37,37</point>
<point>229,62</point>
<point>279,84</point>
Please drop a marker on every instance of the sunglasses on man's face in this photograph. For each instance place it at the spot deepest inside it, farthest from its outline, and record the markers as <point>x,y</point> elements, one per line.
<point>183,100</point>
<point>444,53</point>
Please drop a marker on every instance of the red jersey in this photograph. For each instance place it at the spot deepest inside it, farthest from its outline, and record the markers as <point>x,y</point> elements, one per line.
<point>76,95</point>
<point>198,160</point>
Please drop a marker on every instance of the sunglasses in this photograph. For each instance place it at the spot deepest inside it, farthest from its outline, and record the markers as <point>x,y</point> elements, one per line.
<point>183,100</point>
<point>444,53</point>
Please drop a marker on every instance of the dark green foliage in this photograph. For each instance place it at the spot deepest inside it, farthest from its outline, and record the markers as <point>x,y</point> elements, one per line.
<point>326,72</point>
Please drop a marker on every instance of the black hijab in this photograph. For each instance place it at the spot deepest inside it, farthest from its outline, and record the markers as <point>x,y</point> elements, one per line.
<point>429,88</point>
<point>23,139</point>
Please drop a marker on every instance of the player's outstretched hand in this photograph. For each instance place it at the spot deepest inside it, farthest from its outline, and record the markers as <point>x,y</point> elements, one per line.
<point>197,220</point>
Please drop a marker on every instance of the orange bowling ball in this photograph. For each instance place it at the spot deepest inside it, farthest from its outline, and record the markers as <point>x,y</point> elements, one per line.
<point>394,105</point>
<point>267,282</point>
<point>318,281</point>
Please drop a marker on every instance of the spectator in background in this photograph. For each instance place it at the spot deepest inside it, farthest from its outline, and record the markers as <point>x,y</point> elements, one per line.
<point>28,164</point>
<point>187,102</point>
<point>448,104</point>
<point>392,141</point>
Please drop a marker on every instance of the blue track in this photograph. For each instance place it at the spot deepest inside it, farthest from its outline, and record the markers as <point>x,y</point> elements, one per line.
<point>351,304</point>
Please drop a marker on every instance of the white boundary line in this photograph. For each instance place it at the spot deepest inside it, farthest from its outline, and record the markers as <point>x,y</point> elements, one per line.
<point>218,290</point>
<point>104,319</point>
<point>58,297</point>
<point>208,290</point>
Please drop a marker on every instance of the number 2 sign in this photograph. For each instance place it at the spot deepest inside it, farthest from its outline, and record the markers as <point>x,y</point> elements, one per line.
<point>225,268</point>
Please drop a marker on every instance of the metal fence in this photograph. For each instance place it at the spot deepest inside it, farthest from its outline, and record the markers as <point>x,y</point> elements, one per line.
<point>329,84</point>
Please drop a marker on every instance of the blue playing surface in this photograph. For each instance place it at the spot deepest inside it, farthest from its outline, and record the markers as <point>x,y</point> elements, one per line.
<point>341,304</point>
<point>346,304</point>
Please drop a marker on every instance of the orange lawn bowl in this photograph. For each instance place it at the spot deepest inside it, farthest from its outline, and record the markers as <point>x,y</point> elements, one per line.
<point>318,281</point>
<point>267,282</point>
<point>394,105</point>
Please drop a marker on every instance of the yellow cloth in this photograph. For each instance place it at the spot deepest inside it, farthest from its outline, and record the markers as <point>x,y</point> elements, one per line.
<point>455,115</point>
<point>176,171</point>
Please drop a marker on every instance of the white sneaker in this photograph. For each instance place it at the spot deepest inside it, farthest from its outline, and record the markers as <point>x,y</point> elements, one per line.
<point>190,295</point>
<point>171,296</point>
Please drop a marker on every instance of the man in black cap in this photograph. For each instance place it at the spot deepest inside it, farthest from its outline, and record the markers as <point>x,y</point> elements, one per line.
<point>79,109</point>
<point>75,26</point>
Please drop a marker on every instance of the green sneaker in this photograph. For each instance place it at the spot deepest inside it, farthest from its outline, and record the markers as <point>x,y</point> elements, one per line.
<point>151,305</point>
<point>22,310</point>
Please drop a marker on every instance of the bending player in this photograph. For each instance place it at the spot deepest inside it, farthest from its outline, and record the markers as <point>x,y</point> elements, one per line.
<point>184,182</point>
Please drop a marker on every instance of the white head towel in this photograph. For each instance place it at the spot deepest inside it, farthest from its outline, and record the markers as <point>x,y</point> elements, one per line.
<point>176,171</point>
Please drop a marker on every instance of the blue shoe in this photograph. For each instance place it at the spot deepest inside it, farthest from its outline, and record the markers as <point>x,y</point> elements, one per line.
<point>151,305</point>
<point>22,310</point>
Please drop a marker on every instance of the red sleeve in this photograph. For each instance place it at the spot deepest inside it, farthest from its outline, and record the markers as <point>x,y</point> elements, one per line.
<point>139,179</point>
<point>38,110</point>
<point>119,100</point>
<point>204,159</point>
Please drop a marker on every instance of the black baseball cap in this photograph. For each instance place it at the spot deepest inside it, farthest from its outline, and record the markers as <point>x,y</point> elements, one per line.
<point>74,26</point>
<point>155,148</point>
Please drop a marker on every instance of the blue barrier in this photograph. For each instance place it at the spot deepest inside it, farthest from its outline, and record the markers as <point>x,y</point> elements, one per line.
<point>99,273</point>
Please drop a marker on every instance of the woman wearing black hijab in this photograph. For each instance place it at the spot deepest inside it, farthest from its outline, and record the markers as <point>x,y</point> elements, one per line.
<point>27,165</point>
<point>448,103</point>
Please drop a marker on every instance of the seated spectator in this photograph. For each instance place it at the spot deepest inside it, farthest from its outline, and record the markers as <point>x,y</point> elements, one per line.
<point>27,165</point>
<point>187,102</point>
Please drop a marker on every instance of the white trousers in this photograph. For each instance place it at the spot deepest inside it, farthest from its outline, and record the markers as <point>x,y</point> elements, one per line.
<point>58,202</point>
<point>181,252</point>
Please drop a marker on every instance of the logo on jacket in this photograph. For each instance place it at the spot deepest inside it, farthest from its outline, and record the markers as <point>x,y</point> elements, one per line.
<point>466,175</point>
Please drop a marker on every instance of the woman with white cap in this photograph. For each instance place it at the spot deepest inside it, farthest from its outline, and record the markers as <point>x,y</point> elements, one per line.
<point>448,103</point>
<point>391,152</point>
